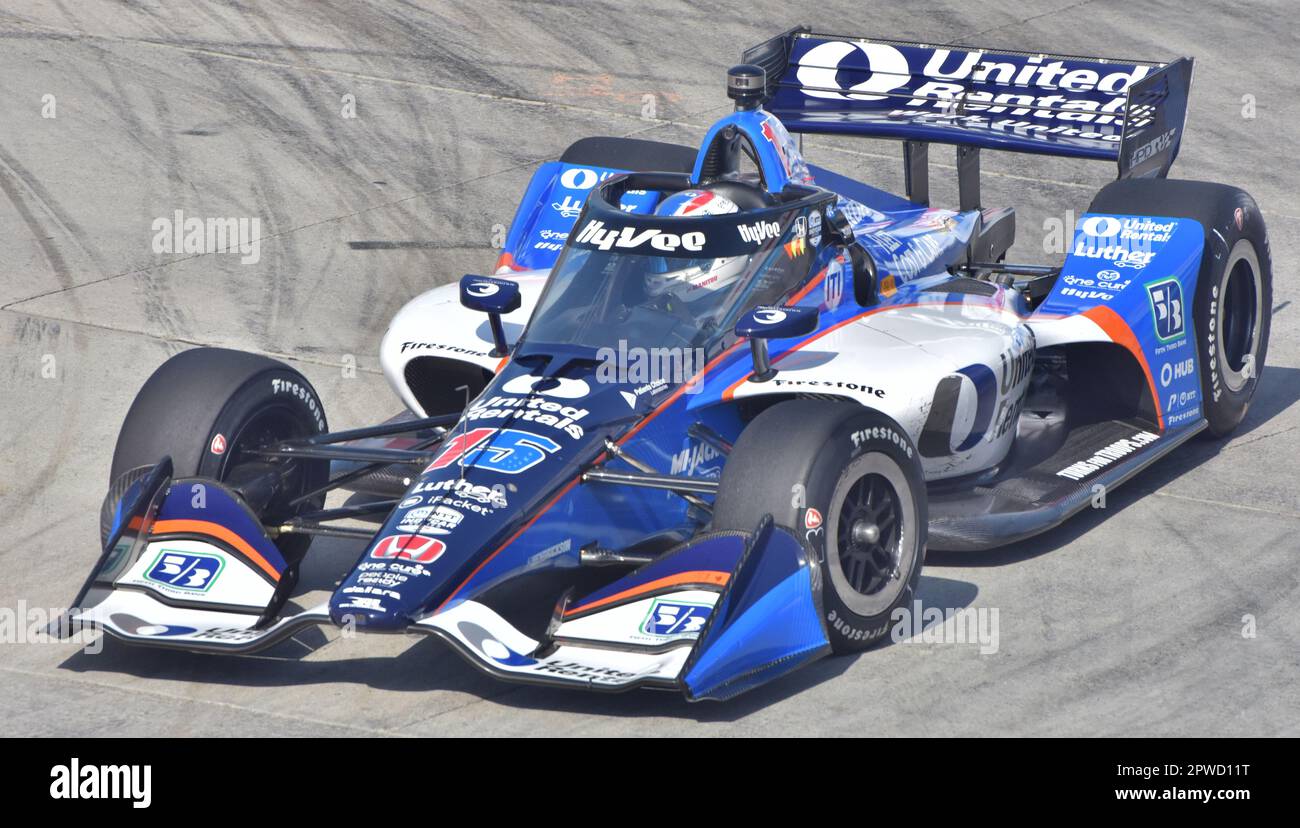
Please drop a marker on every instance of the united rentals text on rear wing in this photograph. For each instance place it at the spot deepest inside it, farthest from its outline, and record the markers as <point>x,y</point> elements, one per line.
<point>1127,111</point>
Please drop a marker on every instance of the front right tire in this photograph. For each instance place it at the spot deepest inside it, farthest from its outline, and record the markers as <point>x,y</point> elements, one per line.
<point>847,481</point>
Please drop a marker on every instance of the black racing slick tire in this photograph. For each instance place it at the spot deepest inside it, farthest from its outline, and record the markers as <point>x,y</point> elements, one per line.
<point>208,409</point>
<point>1234,288</point>
<point>848,482</point>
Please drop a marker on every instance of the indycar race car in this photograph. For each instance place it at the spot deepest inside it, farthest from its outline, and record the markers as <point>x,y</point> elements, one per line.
<point>703,421</point>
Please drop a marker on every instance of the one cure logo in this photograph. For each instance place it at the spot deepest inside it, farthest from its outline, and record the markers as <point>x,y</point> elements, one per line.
<point>77,781</point>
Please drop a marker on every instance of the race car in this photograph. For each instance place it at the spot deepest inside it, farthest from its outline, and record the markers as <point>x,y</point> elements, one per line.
<point>704,420</point>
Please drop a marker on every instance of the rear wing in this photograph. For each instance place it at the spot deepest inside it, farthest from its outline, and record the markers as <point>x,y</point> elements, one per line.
<point>1128,111</point>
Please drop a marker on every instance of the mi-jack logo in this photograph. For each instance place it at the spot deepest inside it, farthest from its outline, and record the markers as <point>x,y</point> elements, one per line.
<point>78,781</point>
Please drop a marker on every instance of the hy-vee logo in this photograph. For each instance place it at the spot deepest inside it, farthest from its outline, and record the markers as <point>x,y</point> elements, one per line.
<point>759,231</point>
<point>595,234</point>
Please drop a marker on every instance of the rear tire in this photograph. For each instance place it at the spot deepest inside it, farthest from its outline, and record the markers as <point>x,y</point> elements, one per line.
<point>207,409</point>
<point>1234,288</point>
<point>847,481</point>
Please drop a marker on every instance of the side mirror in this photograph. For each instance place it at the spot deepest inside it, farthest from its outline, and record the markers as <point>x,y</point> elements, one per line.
<point>767,322</point>
<point>493,297</point>
<point>838,228</point>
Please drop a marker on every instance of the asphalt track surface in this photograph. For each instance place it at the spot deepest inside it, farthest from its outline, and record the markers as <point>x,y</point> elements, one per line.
<point>1128,620</point>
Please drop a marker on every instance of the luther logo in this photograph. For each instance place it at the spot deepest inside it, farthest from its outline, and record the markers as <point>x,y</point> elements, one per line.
<point>74,780</point>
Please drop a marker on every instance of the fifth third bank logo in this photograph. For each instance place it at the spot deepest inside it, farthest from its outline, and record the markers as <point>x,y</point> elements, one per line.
<point>77,781</point>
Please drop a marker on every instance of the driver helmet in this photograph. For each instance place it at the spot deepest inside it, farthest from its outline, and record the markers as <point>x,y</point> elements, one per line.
<point>692,279</point>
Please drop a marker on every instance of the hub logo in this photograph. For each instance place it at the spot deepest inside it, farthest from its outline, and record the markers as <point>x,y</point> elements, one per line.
<point>670,619</point>
<point>1167,309</point>
<point>183,570</point>
<point>409,548</point>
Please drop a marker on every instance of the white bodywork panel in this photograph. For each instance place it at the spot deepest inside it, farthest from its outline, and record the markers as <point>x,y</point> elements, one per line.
<point>892,360</point>
<point>436,324</point>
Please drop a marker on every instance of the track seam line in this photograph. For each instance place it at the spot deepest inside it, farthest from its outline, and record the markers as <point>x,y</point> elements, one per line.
<point>1224,503</point>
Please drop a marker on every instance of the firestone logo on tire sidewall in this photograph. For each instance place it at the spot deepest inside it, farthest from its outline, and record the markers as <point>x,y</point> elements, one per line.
<point>300,392</point>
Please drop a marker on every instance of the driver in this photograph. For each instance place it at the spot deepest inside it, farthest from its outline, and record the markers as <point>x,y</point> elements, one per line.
<point>691,280</point>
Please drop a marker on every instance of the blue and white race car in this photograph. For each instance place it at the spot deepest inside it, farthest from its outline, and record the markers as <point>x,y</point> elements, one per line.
<point>701,425</point>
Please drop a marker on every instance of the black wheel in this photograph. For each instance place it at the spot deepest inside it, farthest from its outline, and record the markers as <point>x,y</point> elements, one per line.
<point>1234,289</point>
<point>847,480</point>
<point>209,409</point>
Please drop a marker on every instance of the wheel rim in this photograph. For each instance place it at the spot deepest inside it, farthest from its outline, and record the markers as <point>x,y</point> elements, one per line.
<point>267,427</point>
<point>1237,320</point>
<point>871,532</point>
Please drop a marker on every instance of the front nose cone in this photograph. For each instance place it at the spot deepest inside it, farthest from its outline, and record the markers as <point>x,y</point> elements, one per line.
<point>367,613</point>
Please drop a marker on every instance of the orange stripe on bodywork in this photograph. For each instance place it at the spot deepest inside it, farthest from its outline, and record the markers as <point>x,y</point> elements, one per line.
<point>216,530</point>
<point>704,577</point>
<point>1120,333</point>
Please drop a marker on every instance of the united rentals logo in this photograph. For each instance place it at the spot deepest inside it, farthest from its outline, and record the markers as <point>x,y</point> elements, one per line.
<point>1077,91</point>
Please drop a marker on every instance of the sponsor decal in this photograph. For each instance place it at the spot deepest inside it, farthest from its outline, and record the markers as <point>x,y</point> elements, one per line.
<point>561,387</point>
<point>555,550</point>
<point>833,284</point>
<point>434,346</point>
<point>569,208</point>
<point>812,519</point>
<point>1087,295</point>
<point>1151,148</point>
<point>527,410</point>
<point>218,445</point>
<point>595,234</point>
<point>414,500</point>
<point>1171,371</point>
<point>673,619</point>
<point>769,316</point>
<point>815,228</point>
<point>881,433</point>
<point>698,459</point>
<point>759,231</point>
<point>857,387</point>
<point>1211,346</point>
<point>1167,309</point>
<point>1073,100</point>
<point>439,490</point>
<point>1103,458</point>
<point>185,571</point>
<point>430,520</point>
<point>301,392</point>
<point>483,289</point>
<point>417,548</point>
